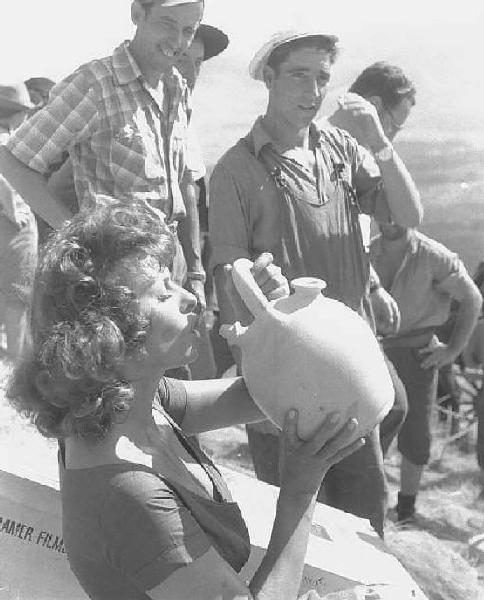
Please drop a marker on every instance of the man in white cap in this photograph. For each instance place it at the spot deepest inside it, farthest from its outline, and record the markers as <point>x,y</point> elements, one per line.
<point>123,119</point>
<point>298,192</point>
<point>18,232</point>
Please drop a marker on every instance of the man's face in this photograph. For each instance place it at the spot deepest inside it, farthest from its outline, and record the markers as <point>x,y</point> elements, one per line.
<point>298,89</point>
<point>168,31</point>
<point>391,231</point>
<point>190,62</point>
<point>393,119</point>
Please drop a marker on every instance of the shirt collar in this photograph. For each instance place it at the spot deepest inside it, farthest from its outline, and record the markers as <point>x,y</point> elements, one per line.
<point>412,245</point>
<point>261,137</point>
<point>125,67</point>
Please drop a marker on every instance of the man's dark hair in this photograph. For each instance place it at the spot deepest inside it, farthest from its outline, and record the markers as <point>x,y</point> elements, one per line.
<point>316,42</point>
<point>387,81</point>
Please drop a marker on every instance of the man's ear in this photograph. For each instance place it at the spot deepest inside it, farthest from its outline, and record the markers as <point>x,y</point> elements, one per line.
<point>138,13</point>
<point>269,75</point>
<point>376,101</point>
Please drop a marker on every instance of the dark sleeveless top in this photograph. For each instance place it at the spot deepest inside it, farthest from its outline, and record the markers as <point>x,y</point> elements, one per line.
<point>127,528</point>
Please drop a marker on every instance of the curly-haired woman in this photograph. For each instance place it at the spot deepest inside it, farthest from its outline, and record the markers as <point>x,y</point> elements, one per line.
<point>145,512</point>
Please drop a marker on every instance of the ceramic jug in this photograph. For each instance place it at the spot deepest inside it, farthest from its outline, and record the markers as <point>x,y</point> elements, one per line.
<point>310,353</point>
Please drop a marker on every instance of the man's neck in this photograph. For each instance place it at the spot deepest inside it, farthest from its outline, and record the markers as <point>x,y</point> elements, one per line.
<point>151,74</point>
<point>285,136</point>
<point>397,245</point>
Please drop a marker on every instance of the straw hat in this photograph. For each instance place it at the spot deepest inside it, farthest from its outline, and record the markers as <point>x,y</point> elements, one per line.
<point>258,63</point>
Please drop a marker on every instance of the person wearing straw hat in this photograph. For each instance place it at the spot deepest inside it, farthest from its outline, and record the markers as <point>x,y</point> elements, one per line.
<point>18,231</point>
<point>298,192</point>
<point>123,120</point>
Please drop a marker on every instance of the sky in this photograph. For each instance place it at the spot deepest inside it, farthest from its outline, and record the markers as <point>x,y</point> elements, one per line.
<point>438,43</point>
<point>52,37</point>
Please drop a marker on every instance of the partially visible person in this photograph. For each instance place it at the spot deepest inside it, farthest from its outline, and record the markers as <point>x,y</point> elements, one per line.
<point>386,89</point>
<point>145,514</point>
<point>473,358</point>
<point>39,89</point>
<point>123,120</point>
<point>423,276</point>
<point>299,191</point>
<point>208,43</point>
<point>18,231</point>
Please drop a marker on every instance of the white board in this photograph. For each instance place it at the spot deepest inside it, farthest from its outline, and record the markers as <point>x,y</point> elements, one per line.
<point>343,550</point>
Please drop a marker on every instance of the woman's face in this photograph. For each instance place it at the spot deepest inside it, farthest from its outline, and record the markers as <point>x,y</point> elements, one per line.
<point>172,337</point>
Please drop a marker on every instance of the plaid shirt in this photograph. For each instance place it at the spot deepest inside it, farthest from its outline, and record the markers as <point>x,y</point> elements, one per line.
<point>122,140</point>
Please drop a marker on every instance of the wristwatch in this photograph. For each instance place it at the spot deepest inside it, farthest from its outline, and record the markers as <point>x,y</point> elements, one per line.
<point>384,154</point>
<point>196,276</point>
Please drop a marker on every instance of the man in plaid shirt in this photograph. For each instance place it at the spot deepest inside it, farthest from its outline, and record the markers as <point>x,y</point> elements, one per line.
<point>123,120</point>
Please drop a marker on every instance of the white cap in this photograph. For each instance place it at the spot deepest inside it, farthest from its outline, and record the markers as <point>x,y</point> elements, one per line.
<point>257,64</point>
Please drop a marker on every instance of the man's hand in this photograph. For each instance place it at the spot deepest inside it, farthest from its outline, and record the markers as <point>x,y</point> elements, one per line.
<point>386,311</point>
<point>437,354</point>
<point>268,277</point>
<point>197,288</point>
<point>360,118</point>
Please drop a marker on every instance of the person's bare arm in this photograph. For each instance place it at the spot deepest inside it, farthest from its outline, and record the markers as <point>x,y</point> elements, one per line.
<point>189,236</point>
<point>303,466</point>
<point>385,307</point>
<point>402,195</point>
<point>360,119</point>
<point>33,189</point>
<point>217,403</point>
<point>469,309</point>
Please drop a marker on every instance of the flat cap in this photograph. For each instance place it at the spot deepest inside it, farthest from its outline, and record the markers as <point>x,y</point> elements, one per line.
<point>258,63</point>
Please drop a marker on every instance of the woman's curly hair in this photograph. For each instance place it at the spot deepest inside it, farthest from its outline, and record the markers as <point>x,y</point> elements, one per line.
<point>86,321</point>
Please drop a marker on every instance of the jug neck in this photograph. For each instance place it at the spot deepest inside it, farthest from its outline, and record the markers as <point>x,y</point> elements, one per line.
<point>308,287</point>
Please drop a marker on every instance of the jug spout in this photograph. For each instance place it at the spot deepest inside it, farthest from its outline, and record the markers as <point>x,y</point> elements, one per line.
<point>306,291</point>
<point>309,287</point>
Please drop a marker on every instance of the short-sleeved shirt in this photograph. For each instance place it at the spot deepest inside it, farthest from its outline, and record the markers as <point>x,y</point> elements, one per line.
<point>429,278</point>
<point>125,139</point>
<point>127,528</point>
<point>246,217</point>
<point>195,163</point>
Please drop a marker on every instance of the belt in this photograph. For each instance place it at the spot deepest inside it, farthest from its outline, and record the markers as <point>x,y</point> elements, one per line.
<point>413,339</point>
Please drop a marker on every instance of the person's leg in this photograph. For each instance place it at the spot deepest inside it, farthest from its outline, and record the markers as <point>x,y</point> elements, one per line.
<point>357,484</point>
<point>393,422</point>
<point>414,439</point>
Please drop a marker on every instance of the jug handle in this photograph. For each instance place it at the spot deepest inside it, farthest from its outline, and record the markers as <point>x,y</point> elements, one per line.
<point>247,287</point>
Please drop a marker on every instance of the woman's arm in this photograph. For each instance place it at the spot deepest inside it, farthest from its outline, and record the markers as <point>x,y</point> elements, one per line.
<point>303,466</point>
<point>218,403</point>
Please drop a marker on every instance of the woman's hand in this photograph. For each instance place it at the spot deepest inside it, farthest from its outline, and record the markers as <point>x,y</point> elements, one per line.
<point>303,464</point>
